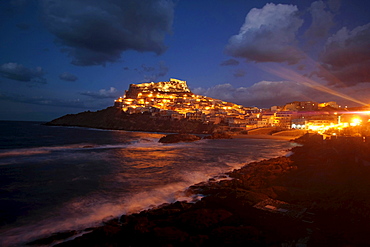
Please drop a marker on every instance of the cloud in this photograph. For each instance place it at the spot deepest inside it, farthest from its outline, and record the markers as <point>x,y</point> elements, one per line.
<point>111,93</point>
<point>147,68</point>
<point>268,35</point>
<point>230,62</point>
<point>313,84</point>
<point>334,5</point>
<point>96,32</point>
<point>346,58</point>
<point>154,73</point>
<point>18,72</point>
<point>96,101</point>
<point>40,100</point>
<point>322,21</point>
<point>261,94</point>
<point>270,93</point>
<point>361,92</point>
<point>68,77</point>
<point>239,73</point>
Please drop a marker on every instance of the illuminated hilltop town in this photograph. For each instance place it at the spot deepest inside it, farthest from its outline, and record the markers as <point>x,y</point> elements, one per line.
<point>174,100</point>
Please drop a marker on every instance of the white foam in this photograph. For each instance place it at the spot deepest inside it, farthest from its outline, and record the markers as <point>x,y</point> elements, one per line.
<point>90,210</point>
<point>78,147</point>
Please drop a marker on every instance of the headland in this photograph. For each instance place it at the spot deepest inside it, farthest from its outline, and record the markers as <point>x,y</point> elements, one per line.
<point>171,107</point>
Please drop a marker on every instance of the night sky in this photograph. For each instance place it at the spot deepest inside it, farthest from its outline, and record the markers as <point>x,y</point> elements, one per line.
<point>59,57</point>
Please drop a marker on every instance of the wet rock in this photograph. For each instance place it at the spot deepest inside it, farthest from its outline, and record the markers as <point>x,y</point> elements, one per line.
<point>169,209</point>
<point>54,237</point>
<point>108,235</point>
<point>219,135</point>
<point>174,138</point>
<point>110,230</point>
<point>204,218</point>
<point>170,234</point>
<point>143,225</point>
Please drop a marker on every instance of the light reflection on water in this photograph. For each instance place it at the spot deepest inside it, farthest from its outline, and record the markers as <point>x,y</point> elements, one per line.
<point>81,185</point>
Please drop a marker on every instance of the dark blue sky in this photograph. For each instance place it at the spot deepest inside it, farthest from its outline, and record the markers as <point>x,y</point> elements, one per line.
<point>60,57</point>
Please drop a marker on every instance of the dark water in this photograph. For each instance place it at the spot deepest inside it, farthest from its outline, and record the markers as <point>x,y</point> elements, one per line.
<point>58,178</point>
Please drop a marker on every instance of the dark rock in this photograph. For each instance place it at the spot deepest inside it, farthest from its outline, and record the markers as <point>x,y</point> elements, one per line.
<point>174,138</point>
<point>169,209</point>
<point>204,218</point>
<point>236,236</point>
<point>198,240</point>
<point>219,135</point>
<point>170,234</point>
<point>143,225</point>
<point>110,230</point>
<point>54,237</point>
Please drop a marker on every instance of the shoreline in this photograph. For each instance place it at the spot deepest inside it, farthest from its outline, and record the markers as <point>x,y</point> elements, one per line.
<point>286,200</point>
<point>234,136</point>
<point>69,236</point>
<point>272,137</point>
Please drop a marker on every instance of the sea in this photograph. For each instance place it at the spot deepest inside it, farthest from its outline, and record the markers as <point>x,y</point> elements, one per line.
<point>55,179</point>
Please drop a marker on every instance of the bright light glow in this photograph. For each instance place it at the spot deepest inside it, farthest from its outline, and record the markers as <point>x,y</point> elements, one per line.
<point>355,121</point>
<point>332,123</point>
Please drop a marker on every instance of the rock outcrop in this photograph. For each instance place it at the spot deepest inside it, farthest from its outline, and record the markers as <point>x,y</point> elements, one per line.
<point>174,138</point>
<point>172,86</point>
<point>115,118</point>
<point>219,135</point>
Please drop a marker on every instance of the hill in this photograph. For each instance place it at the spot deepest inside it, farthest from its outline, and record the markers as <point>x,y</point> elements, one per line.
<point>115,118</point>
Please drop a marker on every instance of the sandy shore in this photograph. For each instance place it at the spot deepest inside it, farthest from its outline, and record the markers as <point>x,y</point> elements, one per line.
<point>276,137</point>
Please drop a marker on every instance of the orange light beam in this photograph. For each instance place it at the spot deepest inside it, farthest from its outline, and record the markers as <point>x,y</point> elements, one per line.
<point>294,76</point>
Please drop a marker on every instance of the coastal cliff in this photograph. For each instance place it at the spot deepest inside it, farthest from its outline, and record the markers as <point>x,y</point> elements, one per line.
<point>115,118</point>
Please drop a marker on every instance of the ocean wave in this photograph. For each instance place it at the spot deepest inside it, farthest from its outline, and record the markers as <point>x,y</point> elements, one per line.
<point>36,150</point>
<point>144,142</point>
<point>27,152</point>
<point>128,187</point>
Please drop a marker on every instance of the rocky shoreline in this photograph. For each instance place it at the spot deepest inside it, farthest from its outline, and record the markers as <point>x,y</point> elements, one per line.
<point>113,118</point>
<point>174,138</point>
<point>318,196</point>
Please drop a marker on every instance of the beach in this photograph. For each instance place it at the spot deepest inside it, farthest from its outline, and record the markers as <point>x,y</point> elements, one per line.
<point>273,137</point>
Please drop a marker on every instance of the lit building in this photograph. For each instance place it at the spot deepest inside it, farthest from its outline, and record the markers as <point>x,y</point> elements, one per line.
<point>283,119</point>
<point>173,100</point>
<point>301,106</point>
<point>195,116</point>
<point>330,103</point>
<point>176,96</point>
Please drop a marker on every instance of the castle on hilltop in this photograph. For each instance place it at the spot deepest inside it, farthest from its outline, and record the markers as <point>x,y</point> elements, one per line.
<point>173,99</point>
<point>165,87</point>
